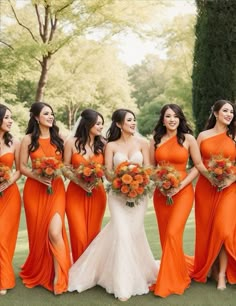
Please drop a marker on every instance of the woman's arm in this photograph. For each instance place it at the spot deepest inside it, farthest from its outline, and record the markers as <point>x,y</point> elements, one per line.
<point>152,152</point>
<point>145,151</point>
<point>109,151</point>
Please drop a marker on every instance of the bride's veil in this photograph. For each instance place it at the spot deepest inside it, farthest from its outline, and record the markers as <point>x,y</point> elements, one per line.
<point>73,131</point>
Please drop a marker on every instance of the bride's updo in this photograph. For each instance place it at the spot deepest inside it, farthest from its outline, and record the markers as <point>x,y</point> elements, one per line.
<point>118,117</point>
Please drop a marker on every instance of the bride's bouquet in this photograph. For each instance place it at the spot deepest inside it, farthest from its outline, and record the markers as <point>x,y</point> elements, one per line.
<point>131,181</point>
<point>166,178</point>
<point>49,167</point>
<point>220,169</point>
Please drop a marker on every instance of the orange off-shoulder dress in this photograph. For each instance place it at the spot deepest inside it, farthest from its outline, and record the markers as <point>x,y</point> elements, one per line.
<point>40,208</point>
<point>84,213</point>
<point>10,207</point>
<point>175,268</point>
<point>215,214</point>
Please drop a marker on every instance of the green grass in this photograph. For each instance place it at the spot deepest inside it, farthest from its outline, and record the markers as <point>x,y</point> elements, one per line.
<point>196,295</point>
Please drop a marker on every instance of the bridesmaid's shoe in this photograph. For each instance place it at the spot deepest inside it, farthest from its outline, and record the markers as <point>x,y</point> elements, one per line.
<point>3,291</point>
<point>221,282</point>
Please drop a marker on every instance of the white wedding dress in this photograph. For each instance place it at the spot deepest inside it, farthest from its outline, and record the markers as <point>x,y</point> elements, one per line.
<point>119,259</point>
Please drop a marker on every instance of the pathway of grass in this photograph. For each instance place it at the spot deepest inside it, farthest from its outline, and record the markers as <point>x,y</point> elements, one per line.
<point>196,295</point>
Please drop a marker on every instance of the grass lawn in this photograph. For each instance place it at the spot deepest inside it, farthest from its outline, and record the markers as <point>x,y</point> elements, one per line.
<point>196,295</point>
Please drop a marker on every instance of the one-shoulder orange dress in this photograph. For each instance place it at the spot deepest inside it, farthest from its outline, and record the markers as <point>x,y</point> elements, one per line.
<point>84,213</point>
<point>10,206</point>
<point>175,268</point>
<point>40,208</point>
<point>215,214</point>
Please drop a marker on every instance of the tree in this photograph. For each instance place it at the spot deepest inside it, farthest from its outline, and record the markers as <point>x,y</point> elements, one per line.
<point>43,27</point>
<point>92,78</point>
<point>214,65</point>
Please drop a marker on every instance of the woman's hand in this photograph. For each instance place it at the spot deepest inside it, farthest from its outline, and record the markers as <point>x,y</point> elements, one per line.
<point>44,180</point>
<point>4,185</point>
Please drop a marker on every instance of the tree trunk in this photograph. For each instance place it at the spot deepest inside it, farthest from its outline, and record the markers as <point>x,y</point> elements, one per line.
<point>43,78</point>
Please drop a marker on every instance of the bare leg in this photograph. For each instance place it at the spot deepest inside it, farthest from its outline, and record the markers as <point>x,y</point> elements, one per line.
<point>55,236</point>
<point>222,269</point>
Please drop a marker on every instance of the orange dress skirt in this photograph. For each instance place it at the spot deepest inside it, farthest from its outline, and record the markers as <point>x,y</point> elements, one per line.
<point>84,213</point>
<point>175,268</point>
<point>215,214</point>
<point>40,208</point>
<point>10,207</point>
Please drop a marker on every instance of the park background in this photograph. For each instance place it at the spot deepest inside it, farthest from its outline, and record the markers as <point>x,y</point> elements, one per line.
<point>107,54</point>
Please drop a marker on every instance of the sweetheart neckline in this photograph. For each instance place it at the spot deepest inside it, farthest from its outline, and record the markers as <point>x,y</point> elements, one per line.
<point>128,158</point>
<point>6,154</point>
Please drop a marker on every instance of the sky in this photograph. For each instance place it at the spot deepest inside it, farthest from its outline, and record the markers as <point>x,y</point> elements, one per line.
<point>133,50</point>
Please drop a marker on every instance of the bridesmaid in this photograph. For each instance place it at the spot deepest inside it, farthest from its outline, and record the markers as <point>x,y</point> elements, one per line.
<point>10,202</point>
<point>215,222</point>
<point>173,143</point>
<point>48,260</point>
<point>84,213</point>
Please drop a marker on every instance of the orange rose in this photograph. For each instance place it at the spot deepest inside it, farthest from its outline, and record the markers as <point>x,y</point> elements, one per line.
<point>124,189</point>
<point>116,183</point>
<point>134,184</point>
<point>49,171</point>
<point>87,171</point>
<point>140,190</point>
<point>138,178</point>
<point>166,185</point>
<point>127,179</point>
<point>218,171</point>
<point>132,194</point>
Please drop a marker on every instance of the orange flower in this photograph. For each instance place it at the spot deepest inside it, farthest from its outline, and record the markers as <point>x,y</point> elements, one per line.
<point>166,185</point>
<point>127,179</point>
<point>49,171</point>
<point>117,183</point>
<point>87,171</point>
<point>132,194</point>
<point>140,190</point>
<point>134,184</point>
<point>124,189</point>
<point>139,178</point>
<point>218,171</point>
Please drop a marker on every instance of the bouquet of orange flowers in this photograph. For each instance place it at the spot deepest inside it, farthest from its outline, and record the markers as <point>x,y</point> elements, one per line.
<point>219,169</point>
<point>132,181</point>
<point>166,177</point>
<point>89,173</point>
<point>49,167</point>
<point>5,174</point>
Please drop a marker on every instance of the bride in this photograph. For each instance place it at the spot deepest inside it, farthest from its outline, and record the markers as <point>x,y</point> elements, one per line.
<point>119,259</point>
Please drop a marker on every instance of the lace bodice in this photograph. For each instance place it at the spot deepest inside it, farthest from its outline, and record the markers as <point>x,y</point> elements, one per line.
<point>119,157</point>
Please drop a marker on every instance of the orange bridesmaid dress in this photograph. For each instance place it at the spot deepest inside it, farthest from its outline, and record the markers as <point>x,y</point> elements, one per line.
<point>10,207</point>
<point>40,208</point>
<point>175,268</point>
<point>84,213</point>
<point>215,214</point>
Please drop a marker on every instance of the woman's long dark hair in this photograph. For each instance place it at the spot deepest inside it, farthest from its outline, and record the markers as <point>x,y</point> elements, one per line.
<point>114,132</point>
<point>7,137</point>
<point>212,119</point>
<point>183,128</point>
<point>33,129</point>
<point>88,119</point>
